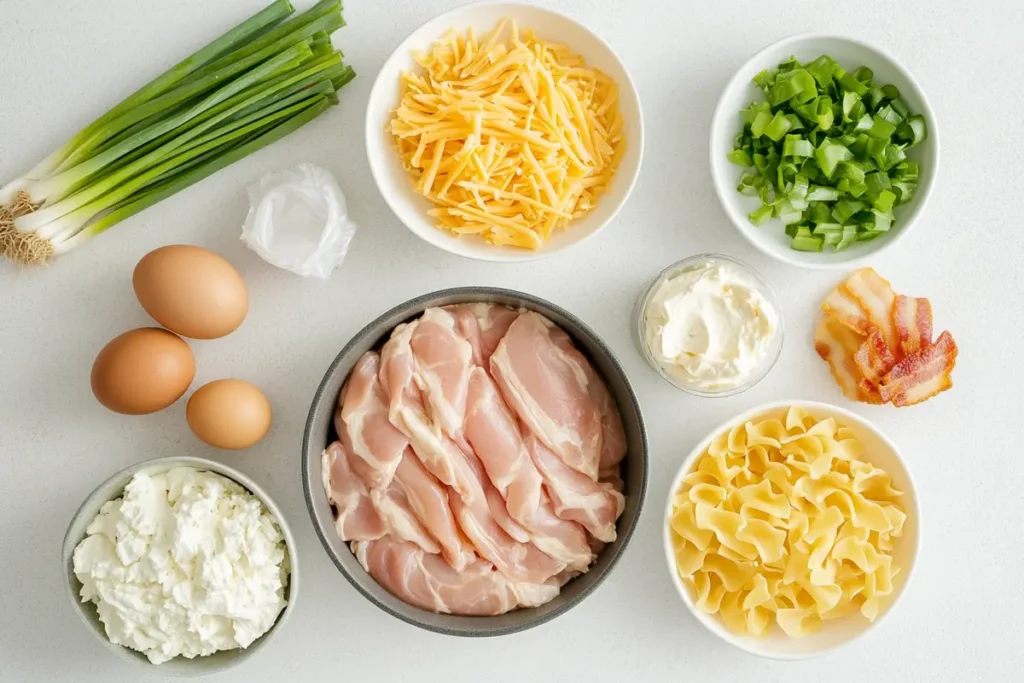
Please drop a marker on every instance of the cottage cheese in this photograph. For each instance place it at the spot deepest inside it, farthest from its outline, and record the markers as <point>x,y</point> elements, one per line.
<point>185,563</point>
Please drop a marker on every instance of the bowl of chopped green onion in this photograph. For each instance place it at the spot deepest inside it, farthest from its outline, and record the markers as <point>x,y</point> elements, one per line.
<point>823,151</point>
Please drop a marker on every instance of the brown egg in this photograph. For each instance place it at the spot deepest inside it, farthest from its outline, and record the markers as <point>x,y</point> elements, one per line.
<point>143,371</point>
<point>191,291</point>
<point>228,413</point>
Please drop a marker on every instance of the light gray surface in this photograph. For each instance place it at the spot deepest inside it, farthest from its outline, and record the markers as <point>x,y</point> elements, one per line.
<point>962,617</point>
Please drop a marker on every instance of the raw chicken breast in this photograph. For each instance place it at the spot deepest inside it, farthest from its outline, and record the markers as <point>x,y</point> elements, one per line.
<point>477,464</point>
<point>486,522</point>
<point>357,519</point>
<point>613,437</point>
<point>429,500</point>
<point>362,422</point>
<point>576,497</point>
<point>430,583</point>
<point>407,412</point>
<point>483,326</point>
<point>401,519</point>
<point>493,433</point>
<point>548,391</point>
<point>442,363</point>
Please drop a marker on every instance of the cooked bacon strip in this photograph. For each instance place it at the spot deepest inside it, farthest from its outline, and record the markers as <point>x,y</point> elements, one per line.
<point>876,298</point>
<point>837,344</point>
<point>921,376</point>
<point>913,319</point>
<point>846,310</point>
<point>874,359</point>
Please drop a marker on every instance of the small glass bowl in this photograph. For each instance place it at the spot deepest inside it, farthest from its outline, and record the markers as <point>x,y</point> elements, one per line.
<point>692,263</point>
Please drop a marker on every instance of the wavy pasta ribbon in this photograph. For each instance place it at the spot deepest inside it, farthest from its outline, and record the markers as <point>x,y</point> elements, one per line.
<point>781,521</point>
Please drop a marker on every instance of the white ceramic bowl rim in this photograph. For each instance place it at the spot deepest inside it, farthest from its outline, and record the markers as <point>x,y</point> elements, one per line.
<point>438,238</point>
<point>196,666</point>
<point>920,199</point>
<point>712,622</point>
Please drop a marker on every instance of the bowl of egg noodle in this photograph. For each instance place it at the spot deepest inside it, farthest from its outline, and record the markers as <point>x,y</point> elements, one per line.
<point>792,529</point>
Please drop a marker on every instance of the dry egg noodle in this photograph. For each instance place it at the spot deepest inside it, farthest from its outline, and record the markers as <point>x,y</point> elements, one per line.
<point>511,137</point>
<point>781,520</point>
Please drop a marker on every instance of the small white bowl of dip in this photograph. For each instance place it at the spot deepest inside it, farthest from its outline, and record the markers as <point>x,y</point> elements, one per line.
<point>710,325</point>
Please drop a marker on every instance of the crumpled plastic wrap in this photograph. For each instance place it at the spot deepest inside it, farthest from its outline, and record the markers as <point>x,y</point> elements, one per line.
<point>298,221</point>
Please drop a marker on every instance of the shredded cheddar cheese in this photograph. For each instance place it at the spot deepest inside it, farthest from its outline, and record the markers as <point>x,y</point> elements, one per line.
<point>509,137</point>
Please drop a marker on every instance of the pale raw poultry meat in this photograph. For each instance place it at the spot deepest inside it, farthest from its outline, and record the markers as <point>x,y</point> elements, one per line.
<point>430,501</point>
<point>427,581</point>
<point>443,361</point>
<point>548,391</point>
<point>478,461</point>
<point>362,421</point>
<point>357,519</point>
<point>613,438</point>
<point>483,326</point>
<point>492,431</point>
<point>408,413</point>
<point>577,497</point>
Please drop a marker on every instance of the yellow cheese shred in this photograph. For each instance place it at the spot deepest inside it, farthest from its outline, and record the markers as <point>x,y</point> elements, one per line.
<point>509,136</point>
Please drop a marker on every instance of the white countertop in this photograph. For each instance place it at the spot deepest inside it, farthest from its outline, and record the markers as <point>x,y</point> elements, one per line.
<point>962,617</point>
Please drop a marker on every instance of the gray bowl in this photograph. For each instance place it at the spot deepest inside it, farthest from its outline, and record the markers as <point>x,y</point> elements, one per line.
<point>112,488</point>
<point>320,432</point>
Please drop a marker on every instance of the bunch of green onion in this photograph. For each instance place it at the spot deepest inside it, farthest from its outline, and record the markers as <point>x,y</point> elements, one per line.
<point>828,153</point>
<point>250,87</point>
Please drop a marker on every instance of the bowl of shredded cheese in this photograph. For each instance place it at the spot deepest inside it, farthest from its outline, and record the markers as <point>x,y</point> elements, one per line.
<point>504,132</point>
<point>792,529</point>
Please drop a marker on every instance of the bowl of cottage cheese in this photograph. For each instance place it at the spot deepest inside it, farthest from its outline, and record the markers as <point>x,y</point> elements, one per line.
<point>181,563</point>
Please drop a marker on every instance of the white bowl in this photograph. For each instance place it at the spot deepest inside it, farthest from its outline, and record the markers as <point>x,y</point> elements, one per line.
<point>112,488</point>
<point>394,182</point>
<point>770,238</point>
<point>879,451</point>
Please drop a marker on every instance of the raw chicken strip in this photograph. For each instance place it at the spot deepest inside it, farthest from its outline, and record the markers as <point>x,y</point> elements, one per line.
<point>613,437</point>
<point>493,433</point>
<point>357,518</point>
<point>442,362</point>
<point>428,582</point>
<point>429,501</point>
<point>401,519</point>
<point>485,520</point>
<point>483,326</point>
<point>362,422</point>
<point>576,497</point>
<point>548,391</point>
<point>407,413</point>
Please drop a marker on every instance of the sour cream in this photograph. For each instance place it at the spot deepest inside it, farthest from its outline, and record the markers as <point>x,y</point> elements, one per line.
<point>710,326</point>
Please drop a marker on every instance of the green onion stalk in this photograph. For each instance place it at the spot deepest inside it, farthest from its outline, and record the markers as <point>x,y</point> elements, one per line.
<point>252,86</point>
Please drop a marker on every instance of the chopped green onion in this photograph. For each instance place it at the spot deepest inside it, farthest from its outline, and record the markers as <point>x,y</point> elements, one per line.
<point>829,154</point>
<point>761,215</point>
<point>826,153</point>
<point>794,146</point>
<point>913,131</point>
<point>803,240</point>
<point>778,127</point>
<point>740,157</point>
